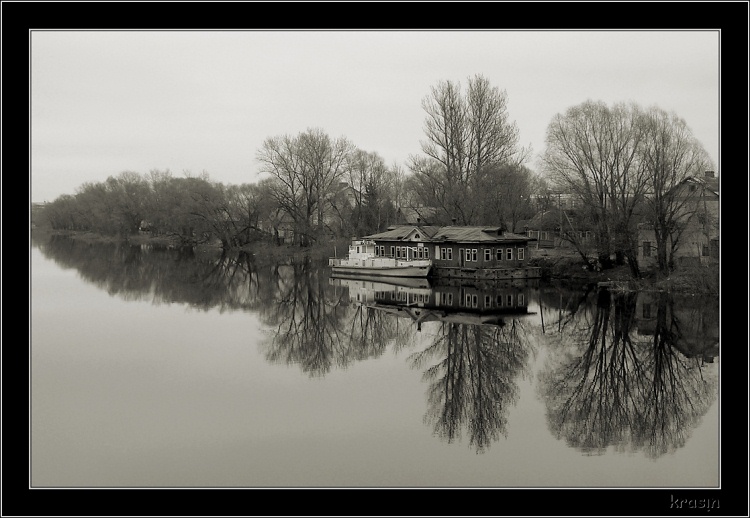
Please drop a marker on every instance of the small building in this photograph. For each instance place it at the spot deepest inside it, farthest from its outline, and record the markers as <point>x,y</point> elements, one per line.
<point>698,243</point>
<point>479,247</point>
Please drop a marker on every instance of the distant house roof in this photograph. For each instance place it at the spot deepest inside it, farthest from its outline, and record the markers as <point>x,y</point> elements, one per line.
<point>399,232</point>
<point>710,182</point>
<point>545,220</point>
<point>416,215</point>
<point>476,235</point>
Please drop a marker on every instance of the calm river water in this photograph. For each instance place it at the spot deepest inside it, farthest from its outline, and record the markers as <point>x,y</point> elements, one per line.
<point>163,368</point>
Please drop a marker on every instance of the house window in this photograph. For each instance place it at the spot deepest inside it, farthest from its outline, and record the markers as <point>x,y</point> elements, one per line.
<point>468,255</point>
<point>509,254</point>
<point>488,254</point>
<point>487,301</point>
<point>426,253</point>
<point>521,299</point>
<point>509,300</point>
<point>443,255</point>
<point>520,254</point>
<point>419,253</point>
<point>398,252</point>
<point>647,249</point>
<point>450,254</point>
<point>392,250</point>
<point>416,236</point>
<point>382,250</point>
<point>474,254</point>
<point>500,301</point>
<point>474,301</point>
<point>468,301</point>
<point>499,254</point>
<point>377,251</point>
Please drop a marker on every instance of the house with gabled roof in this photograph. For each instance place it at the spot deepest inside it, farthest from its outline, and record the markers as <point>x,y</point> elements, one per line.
<point>699,240</point>
<point>479,247</point>
<point>404,241</point>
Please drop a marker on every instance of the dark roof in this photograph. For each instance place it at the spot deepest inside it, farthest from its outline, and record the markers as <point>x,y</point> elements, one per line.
<point>476,234</point>
<point>711,183</point>
<point>546,220</point>
<point>410,215</point>
<point>401,231</point>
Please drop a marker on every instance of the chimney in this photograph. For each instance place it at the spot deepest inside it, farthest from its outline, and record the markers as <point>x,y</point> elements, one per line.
<point>709,174</point>
<point>419,220</point>
<point>453,220</point>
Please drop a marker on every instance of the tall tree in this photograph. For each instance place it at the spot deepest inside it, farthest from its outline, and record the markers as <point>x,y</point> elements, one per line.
<point>671,155</point>
<point>468,137</point>
<point>305,170</point>
<point>373,186</point>
<point>592,152</point>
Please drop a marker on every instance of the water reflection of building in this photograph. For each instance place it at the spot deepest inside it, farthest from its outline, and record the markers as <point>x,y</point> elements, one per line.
<point>423,301</point>
<point>690,323</point>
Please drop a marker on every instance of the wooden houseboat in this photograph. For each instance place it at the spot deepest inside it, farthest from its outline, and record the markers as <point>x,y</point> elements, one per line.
<point>464,252</point>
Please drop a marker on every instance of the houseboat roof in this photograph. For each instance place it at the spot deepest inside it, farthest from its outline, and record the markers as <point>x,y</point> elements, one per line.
<point>476,234</point>
<point>403,231</point>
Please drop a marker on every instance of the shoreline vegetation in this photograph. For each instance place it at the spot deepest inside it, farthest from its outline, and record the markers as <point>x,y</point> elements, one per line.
<point>557,264</point>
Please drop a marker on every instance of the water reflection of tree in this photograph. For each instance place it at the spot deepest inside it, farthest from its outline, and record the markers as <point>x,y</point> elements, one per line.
<point>315,327</point>
<point>372,330</point>
<point>679,391</point>
<point>309,321</point>
<point>612,388</point>
<point>474,383</point>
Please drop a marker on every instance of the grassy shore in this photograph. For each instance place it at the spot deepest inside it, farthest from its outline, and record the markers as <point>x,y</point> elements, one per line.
<point>567,264</point>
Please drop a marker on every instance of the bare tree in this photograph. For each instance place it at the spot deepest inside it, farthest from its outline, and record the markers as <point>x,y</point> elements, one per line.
<point>305,169</point>
<point>671,155</point>
<point>467,136</point>
<point>592,152</point>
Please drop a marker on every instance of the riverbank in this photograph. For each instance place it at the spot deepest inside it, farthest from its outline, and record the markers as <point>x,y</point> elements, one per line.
<point>567,265</point>
<point>556,264</point>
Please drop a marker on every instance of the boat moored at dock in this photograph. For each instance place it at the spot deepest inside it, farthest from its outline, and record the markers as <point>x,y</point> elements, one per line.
<point>364,258</point>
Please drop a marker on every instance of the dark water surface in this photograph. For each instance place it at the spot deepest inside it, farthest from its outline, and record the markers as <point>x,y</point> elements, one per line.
<point>167,368</point>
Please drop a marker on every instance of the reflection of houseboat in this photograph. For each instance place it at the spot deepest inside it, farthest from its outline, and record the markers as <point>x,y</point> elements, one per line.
<point>446,303</point>
<point>365,258</point>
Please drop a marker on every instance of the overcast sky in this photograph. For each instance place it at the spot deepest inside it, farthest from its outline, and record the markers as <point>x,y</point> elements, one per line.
<point>104,102</point>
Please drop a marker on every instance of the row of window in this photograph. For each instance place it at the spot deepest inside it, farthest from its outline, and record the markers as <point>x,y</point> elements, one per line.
<point>446,254</point>
<point>446,299</point>
<point>472,301</point>
<point>404,252</point>
<point>471,254</point>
